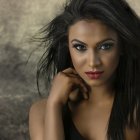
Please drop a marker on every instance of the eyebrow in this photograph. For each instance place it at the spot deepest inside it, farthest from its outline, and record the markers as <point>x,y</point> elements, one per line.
<point>104,40</point>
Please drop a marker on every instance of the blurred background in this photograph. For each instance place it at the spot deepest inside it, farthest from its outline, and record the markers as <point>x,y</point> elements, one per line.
<point>19,21</point>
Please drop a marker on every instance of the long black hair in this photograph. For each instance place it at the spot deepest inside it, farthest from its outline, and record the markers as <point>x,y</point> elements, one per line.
<point>118,15</point>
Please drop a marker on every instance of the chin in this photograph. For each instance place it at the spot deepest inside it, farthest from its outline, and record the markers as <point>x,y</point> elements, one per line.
<point>93,83</point>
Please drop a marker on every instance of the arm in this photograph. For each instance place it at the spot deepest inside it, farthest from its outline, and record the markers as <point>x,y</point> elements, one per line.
<point>45,121</point>
<point>48,124</point>
<point>36,120</point>
<point>53,122</point>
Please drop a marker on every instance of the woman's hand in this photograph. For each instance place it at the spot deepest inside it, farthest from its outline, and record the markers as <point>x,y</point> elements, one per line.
<point>67,85</point>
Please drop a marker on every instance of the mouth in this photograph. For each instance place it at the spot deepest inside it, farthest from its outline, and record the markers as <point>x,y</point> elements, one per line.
<point>94,75</point>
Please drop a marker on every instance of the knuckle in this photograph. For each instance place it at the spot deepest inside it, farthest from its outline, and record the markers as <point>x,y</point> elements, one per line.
<point>69,68</point>
<point>60,73</point>
<point>68,80</point>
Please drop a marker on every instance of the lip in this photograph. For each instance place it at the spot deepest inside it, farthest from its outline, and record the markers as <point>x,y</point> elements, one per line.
<point>94,74</point>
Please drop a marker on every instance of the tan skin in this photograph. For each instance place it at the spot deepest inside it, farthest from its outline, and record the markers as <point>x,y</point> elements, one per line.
<point>92,46</point>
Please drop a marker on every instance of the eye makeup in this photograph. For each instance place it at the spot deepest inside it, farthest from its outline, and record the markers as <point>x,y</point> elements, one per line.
<point>79,47</point>
<point>103,45</point>
<point>106,46</point>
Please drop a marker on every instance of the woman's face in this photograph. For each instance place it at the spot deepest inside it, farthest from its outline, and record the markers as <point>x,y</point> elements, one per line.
<point>94,51</point>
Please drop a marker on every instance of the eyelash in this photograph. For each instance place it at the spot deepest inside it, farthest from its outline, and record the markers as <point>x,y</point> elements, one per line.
<point>108,46</point>
<point>83,48</point>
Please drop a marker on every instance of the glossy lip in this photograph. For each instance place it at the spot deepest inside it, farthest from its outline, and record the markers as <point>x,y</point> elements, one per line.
<point>94,74</point>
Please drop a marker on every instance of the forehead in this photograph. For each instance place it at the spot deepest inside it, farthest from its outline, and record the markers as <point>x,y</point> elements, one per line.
<point>91,29</point>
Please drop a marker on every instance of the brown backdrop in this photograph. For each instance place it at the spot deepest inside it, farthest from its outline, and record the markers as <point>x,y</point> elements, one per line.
<point>19,21</point>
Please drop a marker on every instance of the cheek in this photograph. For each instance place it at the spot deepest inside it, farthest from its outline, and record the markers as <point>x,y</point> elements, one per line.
<point>78,61</point>
<point>111,61</point>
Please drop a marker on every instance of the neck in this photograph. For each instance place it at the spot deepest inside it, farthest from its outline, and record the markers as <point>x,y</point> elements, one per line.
<point>101,95</point>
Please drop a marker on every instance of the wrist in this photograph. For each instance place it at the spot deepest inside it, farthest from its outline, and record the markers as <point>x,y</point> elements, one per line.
<point>52,103</point>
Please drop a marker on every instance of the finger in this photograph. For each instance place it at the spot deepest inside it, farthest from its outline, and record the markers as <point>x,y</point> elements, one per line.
<point>79,84</point>
<point>70,70</point>
<point>74,95</point>
<point>85,91</point>
<point>70,73</point>
<point>77,80</point>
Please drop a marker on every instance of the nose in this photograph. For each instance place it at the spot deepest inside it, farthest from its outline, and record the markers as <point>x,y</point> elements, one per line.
<point>94,59</point>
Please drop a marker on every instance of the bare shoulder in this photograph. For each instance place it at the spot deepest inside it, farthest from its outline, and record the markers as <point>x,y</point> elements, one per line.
<point>36,119</point>
<point>38,107</point>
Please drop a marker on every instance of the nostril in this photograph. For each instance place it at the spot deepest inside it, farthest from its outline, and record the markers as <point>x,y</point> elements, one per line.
<point>94,60</point>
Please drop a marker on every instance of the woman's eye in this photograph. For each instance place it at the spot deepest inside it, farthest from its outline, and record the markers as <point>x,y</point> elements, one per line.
<point>79,47</point>
<point>106,46</point>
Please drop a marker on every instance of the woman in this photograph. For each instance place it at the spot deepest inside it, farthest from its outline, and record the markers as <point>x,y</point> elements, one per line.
<point>92,56</point>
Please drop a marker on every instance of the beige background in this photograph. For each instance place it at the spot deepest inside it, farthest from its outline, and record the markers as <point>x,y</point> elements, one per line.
<point>19,21</point>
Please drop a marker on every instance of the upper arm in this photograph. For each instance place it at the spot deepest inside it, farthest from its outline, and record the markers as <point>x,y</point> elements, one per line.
<point>36,120</point>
